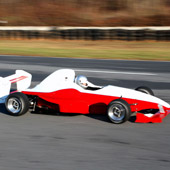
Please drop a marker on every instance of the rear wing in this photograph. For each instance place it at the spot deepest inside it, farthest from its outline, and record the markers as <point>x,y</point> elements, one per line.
<point>21,78</point>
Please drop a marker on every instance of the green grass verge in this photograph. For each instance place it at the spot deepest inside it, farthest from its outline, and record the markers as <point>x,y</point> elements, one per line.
<point>87,49</point>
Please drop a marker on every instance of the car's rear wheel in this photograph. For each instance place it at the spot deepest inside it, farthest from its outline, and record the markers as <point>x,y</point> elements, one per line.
<point>145,89</point>
<point>17,104</point>
<point>118,111</point>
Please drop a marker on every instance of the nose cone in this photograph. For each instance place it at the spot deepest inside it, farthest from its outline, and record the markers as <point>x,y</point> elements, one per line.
<point>133,94</point>
<point>154,99</point>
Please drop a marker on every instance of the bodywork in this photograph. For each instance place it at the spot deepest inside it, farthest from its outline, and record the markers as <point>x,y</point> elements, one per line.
<point>60,92</point>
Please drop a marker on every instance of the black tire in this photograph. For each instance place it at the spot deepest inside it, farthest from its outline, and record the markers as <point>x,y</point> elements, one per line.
<point>146,90</point>
<point>118,111</point>
<point>17,104</point>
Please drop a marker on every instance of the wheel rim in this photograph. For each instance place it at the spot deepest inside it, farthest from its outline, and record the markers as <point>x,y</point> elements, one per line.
<point>14,105</point>
<point>144,91</point>
<point>117,112</point>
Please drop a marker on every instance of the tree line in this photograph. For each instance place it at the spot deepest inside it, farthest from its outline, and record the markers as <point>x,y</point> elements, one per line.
<point>85,12</point>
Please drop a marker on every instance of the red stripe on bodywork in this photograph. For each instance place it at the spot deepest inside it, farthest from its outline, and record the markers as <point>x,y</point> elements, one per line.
<point>74,101</point>
<point>18,79</point>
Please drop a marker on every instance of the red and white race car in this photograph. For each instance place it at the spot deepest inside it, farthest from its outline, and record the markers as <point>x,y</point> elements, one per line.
<point>65,92</point>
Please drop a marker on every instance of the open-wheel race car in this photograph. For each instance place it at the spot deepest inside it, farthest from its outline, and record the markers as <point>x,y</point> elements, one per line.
<point>65,92</point>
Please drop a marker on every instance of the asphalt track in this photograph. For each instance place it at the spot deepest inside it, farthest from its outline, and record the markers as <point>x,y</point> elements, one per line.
<point>60,142</point>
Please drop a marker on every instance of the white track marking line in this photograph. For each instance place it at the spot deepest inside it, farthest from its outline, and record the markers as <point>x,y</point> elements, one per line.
<point>115,72</point>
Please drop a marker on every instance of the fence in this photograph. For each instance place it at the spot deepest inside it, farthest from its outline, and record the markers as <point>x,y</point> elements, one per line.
<point>87,33</point>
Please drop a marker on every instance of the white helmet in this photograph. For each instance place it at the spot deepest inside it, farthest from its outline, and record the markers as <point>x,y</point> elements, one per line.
<point>82,81</point>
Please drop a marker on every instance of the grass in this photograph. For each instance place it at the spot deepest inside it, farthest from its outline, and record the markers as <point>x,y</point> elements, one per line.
<point>143,50</point>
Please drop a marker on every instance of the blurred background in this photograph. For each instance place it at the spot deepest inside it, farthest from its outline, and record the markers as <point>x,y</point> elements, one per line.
<point>85,12</point>
<point>121,29</point>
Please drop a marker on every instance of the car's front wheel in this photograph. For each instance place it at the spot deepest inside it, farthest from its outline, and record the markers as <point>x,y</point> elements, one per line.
<point>17,104</point>
<point>145,89</point>
<point>118,111</point>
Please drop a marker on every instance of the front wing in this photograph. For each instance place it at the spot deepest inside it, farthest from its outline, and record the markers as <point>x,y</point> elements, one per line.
<point>152,118</point>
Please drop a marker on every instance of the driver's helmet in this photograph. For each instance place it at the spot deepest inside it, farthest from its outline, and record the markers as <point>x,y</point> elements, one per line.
<point>81,81</point>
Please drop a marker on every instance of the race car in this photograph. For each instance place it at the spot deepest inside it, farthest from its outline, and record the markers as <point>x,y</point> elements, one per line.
<point>65,92</point>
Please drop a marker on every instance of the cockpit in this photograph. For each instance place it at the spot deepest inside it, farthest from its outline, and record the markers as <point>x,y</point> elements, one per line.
<point>83,82</point>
